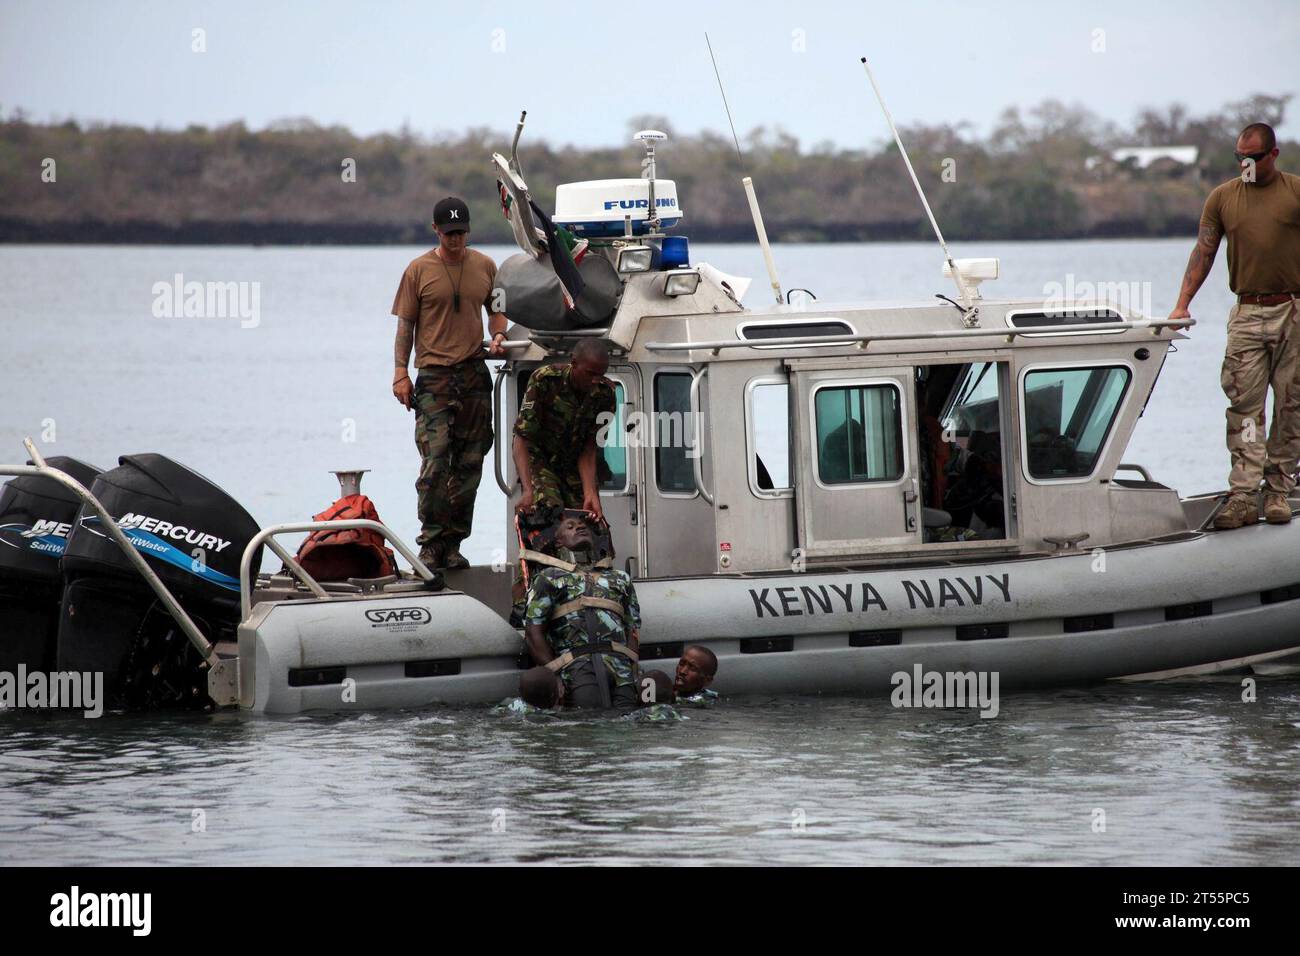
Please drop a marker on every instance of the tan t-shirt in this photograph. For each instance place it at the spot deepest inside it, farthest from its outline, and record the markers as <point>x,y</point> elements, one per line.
<point>1262,224</point>
<point>444,336</point>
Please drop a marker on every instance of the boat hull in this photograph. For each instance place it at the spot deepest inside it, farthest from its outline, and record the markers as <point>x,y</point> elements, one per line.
<point>1036,622</point>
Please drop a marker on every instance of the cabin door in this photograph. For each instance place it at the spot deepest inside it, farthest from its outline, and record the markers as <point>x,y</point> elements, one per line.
<point>857,489</point>
<point>620,476</point>
<point>619,488</point>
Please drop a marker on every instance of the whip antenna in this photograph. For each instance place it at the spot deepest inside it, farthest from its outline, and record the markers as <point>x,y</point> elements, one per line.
<point>748,183</point>
<point>734,138</point>
<point>962,289</point>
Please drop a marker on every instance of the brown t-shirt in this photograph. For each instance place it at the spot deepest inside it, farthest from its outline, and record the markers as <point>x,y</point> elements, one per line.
<point>1262,224</point>
<point>444,336</point>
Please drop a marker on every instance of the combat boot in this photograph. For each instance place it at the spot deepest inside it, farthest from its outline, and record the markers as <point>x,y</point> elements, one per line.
<point>1277,510</point>
<point>431,555</point>
<point>1240,510</point>
<point>455,561</point>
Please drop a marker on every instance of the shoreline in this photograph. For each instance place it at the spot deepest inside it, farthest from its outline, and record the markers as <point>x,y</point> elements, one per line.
<point>18,232</point>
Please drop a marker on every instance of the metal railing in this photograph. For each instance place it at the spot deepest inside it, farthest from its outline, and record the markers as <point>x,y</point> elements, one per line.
<point>133,557</point>
<point>267,536</point>
<point>697,462</point>
<point>862,341</point>
<point>1128,466</point>
<point>537,336</point>
<point>510,344</point>
<point>498,419</point>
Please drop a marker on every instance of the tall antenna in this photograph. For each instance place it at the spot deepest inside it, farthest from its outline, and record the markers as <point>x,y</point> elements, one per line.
<point>971,316</point>
<point>734,138</point>
<point>748,183</point>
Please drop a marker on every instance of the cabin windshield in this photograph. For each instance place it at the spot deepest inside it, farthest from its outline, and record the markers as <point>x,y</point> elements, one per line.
<point>1068,416</point>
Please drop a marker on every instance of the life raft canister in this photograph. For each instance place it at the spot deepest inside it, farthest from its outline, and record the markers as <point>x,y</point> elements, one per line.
<point>349,552</point>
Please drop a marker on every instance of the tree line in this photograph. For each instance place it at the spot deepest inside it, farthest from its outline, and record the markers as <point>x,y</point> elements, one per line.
<point>1039,173</point>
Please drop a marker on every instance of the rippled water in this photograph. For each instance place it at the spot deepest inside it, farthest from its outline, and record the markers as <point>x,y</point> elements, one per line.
<point>1185,772</point>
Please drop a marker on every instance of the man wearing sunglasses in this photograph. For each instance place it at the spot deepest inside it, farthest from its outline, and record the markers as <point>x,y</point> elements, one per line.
<point>1259,212</point>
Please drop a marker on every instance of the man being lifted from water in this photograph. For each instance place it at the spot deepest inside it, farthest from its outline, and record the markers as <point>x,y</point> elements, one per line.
<point>555,434</point>
<point>581,622</point>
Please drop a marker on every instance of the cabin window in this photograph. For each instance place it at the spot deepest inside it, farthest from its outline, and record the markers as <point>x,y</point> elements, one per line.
<point>767,428</point>
<point>1049,319</point>
<point>613,446</point>
<point>797,328</point>
<point>1068,416</point>
<point>859,432</point>
<point>674,433</point>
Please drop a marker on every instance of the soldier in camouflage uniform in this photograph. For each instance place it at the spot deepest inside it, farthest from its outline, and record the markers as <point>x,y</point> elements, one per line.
<point>581,622</point>
<point>695,672</point>
<point>554,446</point>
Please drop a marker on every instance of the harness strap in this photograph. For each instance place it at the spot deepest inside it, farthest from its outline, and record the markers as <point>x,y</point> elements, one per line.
<point>539,557</point>
<point>613,647</point>
<point>586,601</point>
<point>591,621</point>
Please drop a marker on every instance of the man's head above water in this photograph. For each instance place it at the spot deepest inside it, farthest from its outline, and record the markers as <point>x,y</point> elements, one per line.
<point>695,670</point>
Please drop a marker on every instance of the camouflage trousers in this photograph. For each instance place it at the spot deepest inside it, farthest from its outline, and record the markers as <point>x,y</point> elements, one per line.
<point>453,430</point>
<point>1263,350</point>
<point>617,673</point>
<point>555,484</point>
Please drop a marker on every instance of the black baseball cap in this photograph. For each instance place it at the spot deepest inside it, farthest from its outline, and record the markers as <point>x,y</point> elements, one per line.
<point>451,215</point>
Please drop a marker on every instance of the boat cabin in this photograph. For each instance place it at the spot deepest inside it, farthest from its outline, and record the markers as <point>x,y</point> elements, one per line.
<point>821,436</point>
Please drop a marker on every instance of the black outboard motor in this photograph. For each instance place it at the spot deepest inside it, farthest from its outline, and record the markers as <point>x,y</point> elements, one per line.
<point>193,535</point>
<point>36,514</point>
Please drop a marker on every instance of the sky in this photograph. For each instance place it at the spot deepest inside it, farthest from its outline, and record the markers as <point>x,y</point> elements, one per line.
<point>583,69</point>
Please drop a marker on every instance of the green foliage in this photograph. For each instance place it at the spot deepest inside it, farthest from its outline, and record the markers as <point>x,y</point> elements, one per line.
<point>1030,177</point>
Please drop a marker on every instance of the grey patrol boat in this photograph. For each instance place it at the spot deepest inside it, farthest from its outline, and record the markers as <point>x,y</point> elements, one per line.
<point>824,495</point>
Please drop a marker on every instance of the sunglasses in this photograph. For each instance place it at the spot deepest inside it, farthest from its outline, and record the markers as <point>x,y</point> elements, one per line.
<point>1253,157</point>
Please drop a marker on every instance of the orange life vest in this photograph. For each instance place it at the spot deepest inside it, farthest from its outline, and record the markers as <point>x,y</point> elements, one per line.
<point>350,552</point>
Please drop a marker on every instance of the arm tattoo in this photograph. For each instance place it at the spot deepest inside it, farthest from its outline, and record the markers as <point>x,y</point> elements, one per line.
<point>1201,260</point>
<point>405,339</point>
<point>1208,239</point>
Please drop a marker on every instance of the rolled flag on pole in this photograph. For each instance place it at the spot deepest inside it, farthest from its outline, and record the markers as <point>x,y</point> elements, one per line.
<point>561,261</point>
<point>516,207</point>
